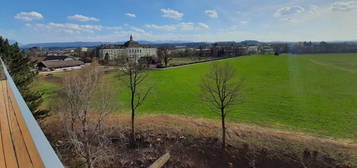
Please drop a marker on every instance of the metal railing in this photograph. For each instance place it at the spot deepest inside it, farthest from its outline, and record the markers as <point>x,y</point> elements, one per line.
<point>47,154</point>
<point>2,75</point>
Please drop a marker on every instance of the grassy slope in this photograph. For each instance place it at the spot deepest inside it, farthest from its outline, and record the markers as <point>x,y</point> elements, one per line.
<point>48,88</point>
<point>313,93</point>
<point>310,93</point>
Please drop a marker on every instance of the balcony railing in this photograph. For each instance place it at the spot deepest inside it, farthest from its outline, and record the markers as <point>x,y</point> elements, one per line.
<point>43,147</point>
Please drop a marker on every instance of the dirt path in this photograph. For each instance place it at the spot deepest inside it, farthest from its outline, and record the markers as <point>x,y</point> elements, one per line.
<point>204,62</point>
<point>332,66</point>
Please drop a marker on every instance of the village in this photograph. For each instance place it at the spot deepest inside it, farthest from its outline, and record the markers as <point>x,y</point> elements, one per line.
<point>67,59</point>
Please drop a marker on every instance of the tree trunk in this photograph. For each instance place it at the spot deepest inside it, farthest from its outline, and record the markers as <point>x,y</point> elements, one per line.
<point>88,158</point>
<point>132,137</point>
<point>73,121</point>
<point>86,140</point>
<point>223,129</point>
<point>166,61</point>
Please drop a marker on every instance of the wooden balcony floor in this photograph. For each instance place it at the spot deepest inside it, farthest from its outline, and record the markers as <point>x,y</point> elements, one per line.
<point>17,149</point>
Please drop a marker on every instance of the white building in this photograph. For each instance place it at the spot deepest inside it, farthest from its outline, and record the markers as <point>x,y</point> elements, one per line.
<point>253,49</point>
<point>83,49</point>
<point>131,50</point>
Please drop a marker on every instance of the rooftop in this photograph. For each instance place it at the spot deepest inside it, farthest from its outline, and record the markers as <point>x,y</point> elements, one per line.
<point>61,63</point>
<point>129,44</point>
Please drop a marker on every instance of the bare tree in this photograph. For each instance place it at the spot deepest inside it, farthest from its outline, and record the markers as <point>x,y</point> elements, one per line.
<point>85,102</point>
<point>135,74</point>
<point>221,91</point>
<point>164,55</point>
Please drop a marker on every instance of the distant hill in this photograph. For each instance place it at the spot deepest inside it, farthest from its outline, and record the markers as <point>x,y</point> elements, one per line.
<point>65,44</point>
<point>250,42</point>
<point>14,41</point>
<point>90,44</point>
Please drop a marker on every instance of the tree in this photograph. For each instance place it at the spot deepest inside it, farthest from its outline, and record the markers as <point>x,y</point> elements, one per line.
<point>200,53</point>
<point>135,74</point>
<point>106,58</point>
<point>20,67</point>
<point>221,91</point>
<point>164,55</point>
<point>85,102</point>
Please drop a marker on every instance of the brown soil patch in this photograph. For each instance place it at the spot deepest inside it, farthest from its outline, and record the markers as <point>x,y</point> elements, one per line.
<point>195,143</point>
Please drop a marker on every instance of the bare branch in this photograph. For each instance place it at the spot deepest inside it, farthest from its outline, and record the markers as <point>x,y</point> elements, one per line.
<point>135,76</point>
<point>220,90</point>
<point>85,102</point>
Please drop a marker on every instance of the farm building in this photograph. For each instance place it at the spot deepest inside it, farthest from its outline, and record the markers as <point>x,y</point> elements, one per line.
<point>58,65</point>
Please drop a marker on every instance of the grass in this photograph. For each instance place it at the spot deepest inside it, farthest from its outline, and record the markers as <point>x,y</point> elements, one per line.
<point>310,93</point>
<point>48,88</point>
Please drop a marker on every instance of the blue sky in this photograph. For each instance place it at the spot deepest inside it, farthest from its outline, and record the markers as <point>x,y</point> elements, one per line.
<point>189,20</point>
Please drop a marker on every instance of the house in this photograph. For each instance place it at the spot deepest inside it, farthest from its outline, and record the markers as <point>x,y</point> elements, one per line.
<point>83,49</point>
<point>253,49</point>
<point>266,49</point>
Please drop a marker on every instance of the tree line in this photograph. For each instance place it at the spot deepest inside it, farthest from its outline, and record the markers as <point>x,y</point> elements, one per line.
<point>323,47</point>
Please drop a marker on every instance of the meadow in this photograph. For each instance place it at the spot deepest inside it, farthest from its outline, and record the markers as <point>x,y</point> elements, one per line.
<point>316,94</point>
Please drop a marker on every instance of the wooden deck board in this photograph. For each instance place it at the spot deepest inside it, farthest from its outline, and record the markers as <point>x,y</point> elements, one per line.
<point>22,155</point>
<point>8,147</point>
<point>29,144</point>
<point>16,147</point>
<point>2,110</point>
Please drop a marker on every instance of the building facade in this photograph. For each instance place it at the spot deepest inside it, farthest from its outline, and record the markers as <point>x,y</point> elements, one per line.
<point>130,50</point>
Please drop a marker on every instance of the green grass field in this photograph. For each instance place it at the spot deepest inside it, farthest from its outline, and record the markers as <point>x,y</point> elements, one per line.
<point>311,93</point>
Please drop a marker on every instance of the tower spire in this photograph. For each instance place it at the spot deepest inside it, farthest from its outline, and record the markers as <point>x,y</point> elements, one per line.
<point>131,37</point>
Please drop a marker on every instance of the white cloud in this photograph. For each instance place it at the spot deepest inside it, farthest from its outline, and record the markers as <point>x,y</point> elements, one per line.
<point>183,26</point>
<point>163,27</point>
<point>212,13</point>
<point>138,30</point>
<point>314,10</point>
<point>67,27</point>
<point>203,25</point>
<point>130,15</point>
<point>344,6</point>
<point>173,14</point>
<point>29,16</point>
<point>113,28</point>
<point>82,18</point>
<point>189,26</point>
<point>288,11</point>
<point>243,22</point>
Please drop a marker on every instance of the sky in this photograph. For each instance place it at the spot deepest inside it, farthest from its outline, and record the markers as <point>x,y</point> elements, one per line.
<point>39,21</point>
